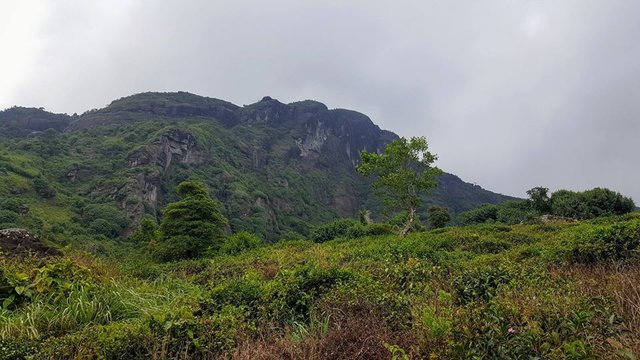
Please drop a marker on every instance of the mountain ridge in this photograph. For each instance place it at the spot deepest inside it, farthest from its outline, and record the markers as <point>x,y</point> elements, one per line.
<point>276,167</point>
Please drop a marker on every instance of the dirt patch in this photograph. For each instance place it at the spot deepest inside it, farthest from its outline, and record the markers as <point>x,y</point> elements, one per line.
<point>20,243</point>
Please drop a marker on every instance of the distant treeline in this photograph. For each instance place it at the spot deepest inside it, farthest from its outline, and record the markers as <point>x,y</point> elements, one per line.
<point>562,203</point>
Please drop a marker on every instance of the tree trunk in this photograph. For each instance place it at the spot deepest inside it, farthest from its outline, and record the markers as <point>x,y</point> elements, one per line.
<point>410,222</point>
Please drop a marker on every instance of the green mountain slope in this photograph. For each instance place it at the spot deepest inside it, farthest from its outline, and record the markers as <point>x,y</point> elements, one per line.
<point>277,168</point>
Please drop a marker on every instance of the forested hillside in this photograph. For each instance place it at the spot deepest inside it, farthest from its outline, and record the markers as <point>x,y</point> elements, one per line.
<point>278,169</point>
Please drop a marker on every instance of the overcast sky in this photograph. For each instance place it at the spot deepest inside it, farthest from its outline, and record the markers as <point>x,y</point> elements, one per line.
<point>510,94</point>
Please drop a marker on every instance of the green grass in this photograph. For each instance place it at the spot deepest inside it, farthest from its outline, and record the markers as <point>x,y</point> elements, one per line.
<point>484,291</point>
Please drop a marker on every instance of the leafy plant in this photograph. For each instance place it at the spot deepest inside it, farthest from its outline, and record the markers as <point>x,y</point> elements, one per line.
<point>607,243</point>
<point>239,242</point>
<point>192,225</point>
<point>402,173</point>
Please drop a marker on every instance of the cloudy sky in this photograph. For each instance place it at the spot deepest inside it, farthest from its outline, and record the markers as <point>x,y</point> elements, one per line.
<point>510,94</point>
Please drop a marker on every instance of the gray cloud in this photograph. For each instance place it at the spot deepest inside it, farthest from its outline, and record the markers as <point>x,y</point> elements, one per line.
<point>511,95</point>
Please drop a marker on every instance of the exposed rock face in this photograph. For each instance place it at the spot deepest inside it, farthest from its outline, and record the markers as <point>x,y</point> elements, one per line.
<point>322,138</point>
<point>78,174</point>
<point>176,144</point>
<point>20,243</point>
<point>317,135</point>
<point>266,111</point>
<point>145,189</point>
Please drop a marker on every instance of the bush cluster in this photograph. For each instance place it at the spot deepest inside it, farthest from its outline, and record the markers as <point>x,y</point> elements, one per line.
<point>348,228</point>
<point>589,204</point>
<point>607,243</point>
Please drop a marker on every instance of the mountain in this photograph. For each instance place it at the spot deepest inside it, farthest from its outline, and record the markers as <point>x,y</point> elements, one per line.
<point>21,121</point>
<point>277,168</point>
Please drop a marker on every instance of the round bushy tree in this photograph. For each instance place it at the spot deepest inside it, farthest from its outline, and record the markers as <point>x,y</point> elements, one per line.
<point>192,225</point>
<point>539,199</point>
<point>438,216</point>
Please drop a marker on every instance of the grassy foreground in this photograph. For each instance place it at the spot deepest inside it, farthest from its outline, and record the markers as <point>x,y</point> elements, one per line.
<point>549,291</point>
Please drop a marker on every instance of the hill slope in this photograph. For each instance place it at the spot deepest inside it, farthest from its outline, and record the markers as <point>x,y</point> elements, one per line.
<point>277,168</point>
<point>564,290</point>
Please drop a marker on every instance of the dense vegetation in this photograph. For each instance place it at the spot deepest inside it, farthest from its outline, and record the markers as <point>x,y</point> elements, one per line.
<point>562,290</point>
<point>562,203</point>
<point>277,169</point>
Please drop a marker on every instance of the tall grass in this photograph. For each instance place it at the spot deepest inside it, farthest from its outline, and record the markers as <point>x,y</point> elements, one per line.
<point>115,301</point>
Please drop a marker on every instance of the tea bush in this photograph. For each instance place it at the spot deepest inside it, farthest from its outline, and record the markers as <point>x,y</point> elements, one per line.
<point>332,230</point>
<point>483,291</point>
<point>480,284</point>
<point>607,243</point>
<point>239,242</point>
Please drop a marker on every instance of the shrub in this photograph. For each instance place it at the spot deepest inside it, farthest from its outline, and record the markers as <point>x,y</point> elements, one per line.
<point>147,232</point>
<point>291,235</point>
<point>8,216</point>
<point>350,229</point>
<point>103,219</point>
<point>299,288</point>
<point>332,230</point>
<point>489,246</point>
<point>113,341</point>
<point>247,291</point>
<point>607,242</point>
<point>484,213</point>
<point>20,349</point>
<point>11,204</point>
<point>14,288</point>
<point>57,279</point>
<point>239,242</point>
<point>356,231</point>
<point>178,247</point>
<point>479,284</point>
<point>42,188</point>
<point>379,229</point>
<point>51,282</point>
<point>104,227</point>
<point>438,216</point>
<point>436,325</point>
<point>509,215</point>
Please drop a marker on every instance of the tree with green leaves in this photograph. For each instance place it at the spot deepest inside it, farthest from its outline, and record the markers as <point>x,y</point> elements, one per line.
<point>539,198</point>
<point>403,172</point>
<point>192,225</point>
<point>590,204</point>
<point>438,216</point>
